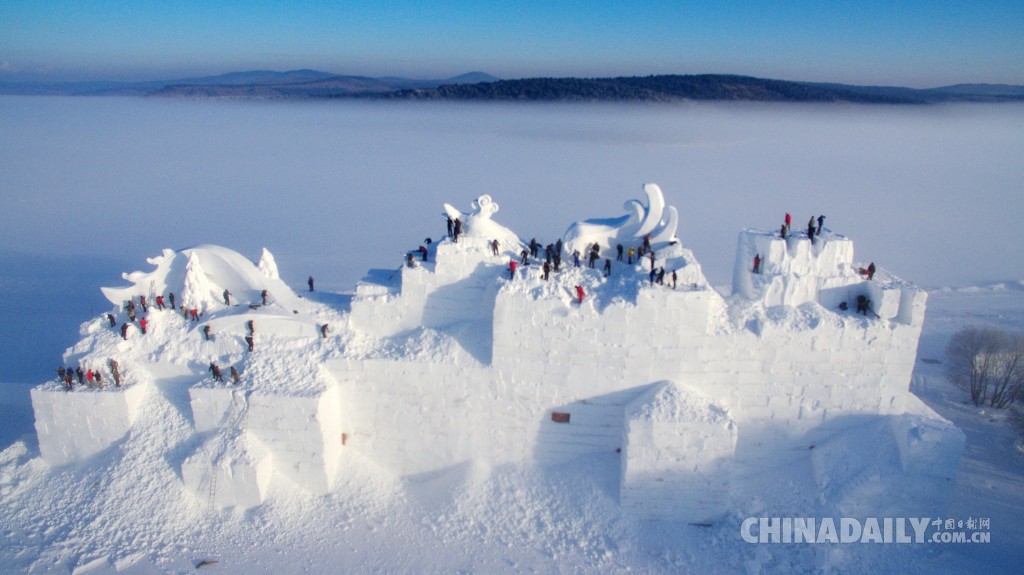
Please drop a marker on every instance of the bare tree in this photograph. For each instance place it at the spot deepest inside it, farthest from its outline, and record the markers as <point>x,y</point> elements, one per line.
<point>1008,378</point>
<point>988,362</point>
<point>1016,417</point>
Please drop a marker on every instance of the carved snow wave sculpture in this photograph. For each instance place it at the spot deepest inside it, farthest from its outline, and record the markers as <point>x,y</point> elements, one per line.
<point>653,219</point>
<point>695,396</point>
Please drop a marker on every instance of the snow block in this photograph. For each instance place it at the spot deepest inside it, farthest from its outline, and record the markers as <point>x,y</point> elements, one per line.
<point>676,456</point>
<point>229,470</point>
<point>72,426</point>
<point>458,287</point>
<point>212,405</point>
<point>302,432</point>
<point>912,305</point>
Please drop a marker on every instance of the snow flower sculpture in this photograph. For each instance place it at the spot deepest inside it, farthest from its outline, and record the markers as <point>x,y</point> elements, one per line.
<point>477,223</point>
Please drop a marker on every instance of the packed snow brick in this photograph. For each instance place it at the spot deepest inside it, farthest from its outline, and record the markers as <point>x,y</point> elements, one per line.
<point>213,405</point>
<point>302,432</point>
<point>72,426</point>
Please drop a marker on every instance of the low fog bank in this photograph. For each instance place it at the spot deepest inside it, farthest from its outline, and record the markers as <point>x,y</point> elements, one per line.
<point>333,188</point>
<point>43,300</point>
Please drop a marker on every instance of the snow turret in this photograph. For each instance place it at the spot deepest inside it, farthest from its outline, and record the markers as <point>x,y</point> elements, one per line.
<point>794,271</point>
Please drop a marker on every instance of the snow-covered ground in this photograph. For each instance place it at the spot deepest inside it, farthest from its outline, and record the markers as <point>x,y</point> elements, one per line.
<point>125,509</point>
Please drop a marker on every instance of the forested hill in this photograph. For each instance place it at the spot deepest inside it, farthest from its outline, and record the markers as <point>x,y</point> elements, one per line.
<point>651,88</point>
<point>479,86</point>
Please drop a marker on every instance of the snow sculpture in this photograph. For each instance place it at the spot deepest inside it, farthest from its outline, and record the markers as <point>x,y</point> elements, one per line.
<point>268,266</point>
<point>451,360</point>
<point>199,276</point>
<point>147,284</point>
<point>478,222</point>
<point>654,219</point>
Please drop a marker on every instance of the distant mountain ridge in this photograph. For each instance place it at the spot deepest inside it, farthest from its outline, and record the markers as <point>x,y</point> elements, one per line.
<point>664,88</point>
<point>957,92</point>
<point>303,83</point>
<point>315,84</point>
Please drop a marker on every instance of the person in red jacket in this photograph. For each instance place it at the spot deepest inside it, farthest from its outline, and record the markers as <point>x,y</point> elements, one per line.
<point>512,269</point>
<point>142,325</point>
<point>579,294</point>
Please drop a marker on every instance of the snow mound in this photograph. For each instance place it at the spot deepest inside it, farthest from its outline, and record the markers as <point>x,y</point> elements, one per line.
<point>666,402</point>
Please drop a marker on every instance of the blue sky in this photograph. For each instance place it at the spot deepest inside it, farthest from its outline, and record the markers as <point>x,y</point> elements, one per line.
<point>908,43</point>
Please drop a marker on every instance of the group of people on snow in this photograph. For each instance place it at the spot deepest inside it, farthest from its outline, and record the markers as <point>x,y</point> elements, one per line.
<point>94,378</point>
<point>813,230</point>
<point>90,377</point>
<point>552,259</point>
<point>214,369</point>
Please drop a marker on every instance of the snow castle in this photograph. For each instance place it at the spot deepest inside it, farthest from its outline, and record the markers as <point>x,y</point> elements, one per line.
<point>701,399</point>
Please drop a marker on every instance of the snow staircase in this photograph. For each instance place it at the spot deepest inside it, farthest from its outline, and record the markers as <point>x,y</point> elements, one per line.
<point>237,422</point>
